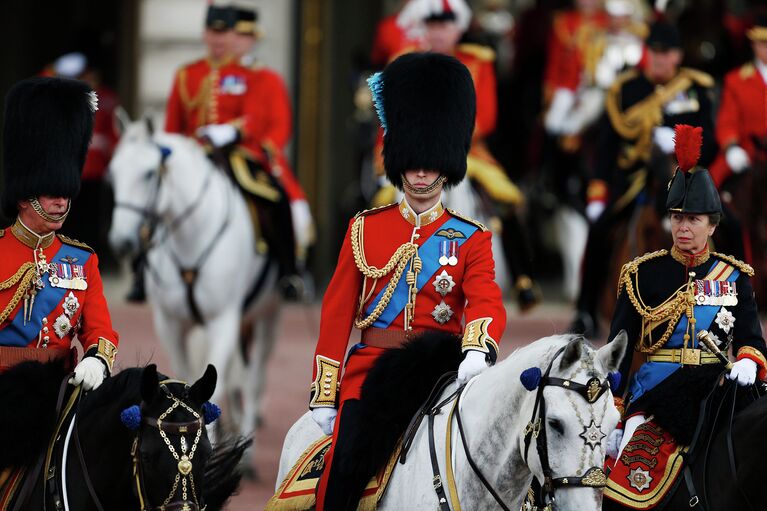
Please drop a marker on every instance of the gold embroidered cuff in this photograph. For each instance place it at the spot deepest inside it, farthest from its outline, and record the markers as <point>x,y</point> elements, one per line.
<point>476,337</point>
<point>754,354</point>
<point>107,352</point>
<point>324,388</point>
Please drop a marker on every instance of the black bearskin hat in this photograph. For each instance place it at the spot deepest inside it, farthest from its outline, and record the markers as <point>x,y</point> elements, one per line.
<point>46,131</point>
<point>427,105</point>
<point>691,190</point>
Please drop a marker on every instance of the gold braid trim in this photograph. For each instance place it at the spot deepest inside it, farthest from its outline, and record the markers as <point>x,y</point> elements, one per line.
<point>465,218</point>
<point>637,122</point>
<point>396,264</point>
<point>75,243</point>
<point>743,267</point>
<point>670,311</point>
<point>25,275</point>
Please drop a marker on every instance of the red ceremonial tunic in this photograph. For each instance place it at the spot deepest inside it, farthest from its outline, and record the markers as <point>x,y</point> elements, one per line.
<point>80,312</point>
<point>742,116</point>
<point>273,127</point>
<point>207,92</point>
<point>568,52</point>
<point>474,298</point>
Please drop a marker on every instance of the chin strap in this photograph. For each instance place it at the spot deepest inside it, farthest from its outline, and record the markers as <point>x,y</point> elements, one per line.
<point>45,216</point>
<point>423,191</point>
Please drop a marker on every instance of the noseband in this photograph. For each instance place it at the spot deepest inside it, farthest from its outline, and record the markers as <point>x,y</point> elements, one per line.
<point>594,477</point>
<point>187,498</point>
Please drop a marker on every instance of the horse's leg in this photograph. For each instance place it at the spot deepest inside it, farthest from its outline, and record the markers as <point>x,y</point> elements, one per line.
<point>172,335</point>
<point>222,333</point>
<point>572,230</point>
<point>261,348</point>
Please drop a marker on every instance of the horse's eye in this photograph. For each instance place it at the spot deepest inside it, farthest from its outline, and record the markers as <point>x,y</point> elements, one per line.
<point>557,426</point>
<point>149,175</point>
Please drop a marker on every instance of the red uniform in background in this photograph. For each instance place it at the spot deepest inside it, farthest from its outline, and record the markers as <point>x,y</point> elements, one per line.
<point>206,92</point>
<point>568,53</point>
<point>480,62</point>
<point>389,41</point>
<point>742,117</point>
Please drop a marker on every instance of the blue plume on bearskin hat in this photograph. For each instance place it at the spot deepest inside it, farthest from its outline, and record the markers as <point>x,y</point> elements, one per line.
<point>46,131</point>
<point>429,105</point>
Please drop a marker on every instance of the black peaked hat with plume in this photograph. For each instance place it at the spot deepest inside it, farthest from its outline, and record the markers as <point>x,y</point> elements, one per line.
<point>691,190</point>
<point>427,105</point>
<point>46,131</point>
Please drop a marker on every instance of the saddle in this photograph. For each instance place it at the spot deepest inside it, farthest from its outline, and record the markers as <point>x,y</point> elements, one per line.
<point>297,490</point>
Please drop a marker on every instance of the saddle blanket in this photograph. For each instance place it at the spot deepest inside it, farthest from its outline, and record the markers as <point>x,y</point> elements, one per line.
<point>297,491</point>
<point>647,469</point>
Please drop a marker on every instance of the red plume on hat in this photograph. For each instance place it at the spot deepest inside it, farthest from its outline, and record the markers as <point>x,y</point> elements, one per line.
<point>688,141</point>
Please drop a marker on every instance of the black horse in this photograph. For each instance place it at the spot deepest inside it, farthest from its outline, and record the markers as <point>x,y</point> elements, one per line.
<point>138,442</point>
<point>727,457</point>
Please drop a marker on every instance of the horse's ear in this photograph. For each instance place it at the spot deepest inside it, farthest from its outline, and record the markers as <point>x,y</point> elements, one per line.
<point>204,387</point>
<point>121,120</point>
<point>611,354</point>
<point>149,383</point>
<point>572,354</point>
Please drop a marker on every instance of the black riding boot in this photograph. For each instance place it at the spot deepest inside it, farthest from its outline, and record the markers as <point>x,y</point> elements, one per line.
<point>137,293</point>
<point>516,248</point>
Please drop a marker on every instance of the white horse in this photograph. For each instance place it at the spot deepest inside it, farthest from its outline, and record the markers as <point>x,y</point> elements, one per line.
<point>201,261</point>
<point>496,410</point>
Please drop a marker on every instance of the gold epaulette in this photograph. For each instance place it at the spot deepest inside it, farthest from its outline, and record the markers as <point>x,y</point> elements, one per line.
<point>483,53</point>
<point>466,219</point>
<point>75,243</point>
<point>743,267</point>
<point>746,70</point>
<point>633,265</point>
<point>699,77</point>
<point>370,211</point>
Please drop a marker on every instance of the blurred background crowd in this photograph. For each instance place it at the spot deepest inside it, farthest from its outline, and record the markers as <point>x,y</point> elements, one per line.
<point>559,152</point>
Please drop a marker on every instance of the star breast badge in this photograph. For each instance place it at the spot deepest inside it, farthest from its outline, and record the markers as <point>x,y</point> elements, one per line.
<point>442,313</point>
<point>592,435</point>
<point>639,479</point>
<point>443,283</point>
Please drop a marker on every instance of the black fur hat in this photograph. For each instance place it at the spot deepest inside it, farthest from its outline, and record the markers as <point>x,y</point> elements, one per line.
<point>427,106</point>
<point>46,131</point>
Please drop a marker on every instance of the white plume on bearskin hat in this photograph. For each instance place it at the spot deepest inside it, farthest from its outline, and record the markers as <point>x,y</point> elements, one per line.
<point>46,130</point>
<point>415,12</point>
<point>427,106</point>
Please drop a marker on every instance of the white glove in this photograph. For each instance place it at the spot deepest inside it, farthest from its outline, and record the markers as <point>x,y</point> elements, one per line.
<point>744,371</point>
<point>590,106</point>
<point>325,418</point>
<point>594,210</point>
<point>218,134</point>
<point>473,363</point>
<point>303,225</point>
<point>737,159</point>
<point>90,372</point>
<point>561,103</point>
<point>614,443</point>
<point>663,137</point>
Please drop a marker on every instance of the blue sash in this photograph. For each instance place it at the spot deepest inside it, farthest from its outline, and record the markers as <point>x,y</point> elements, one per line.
<point>19,334</point>
<point>429,254</point>
<point>651,374</point>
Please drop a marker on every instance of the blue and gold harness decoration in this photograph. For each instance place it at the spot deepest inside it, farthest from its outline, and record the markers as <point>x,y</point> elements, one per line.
<point>429,253</point>
<point>20,333</point>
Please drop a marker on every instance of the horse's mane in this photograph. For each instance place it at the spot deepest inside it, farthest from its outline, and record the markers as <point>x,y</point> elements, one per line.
<point>124,387</point>
<point>222,472</point>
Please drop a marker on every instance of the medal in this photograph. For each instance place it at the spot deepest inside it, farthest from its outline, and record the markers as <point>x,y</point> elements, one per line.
<point>443,283</point>
<point>453,259</point>
<point>443,253</point>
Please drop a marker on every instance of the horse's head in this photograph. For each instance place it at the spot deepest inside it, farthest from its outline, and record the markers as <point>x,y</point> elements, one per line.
<point>171,446</point>
<point>573,414</point>
<point>135,172</point>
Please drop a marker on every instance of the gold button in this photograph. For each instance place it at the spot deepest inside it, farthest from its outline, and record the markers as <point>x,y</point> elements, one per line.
<point>328,374</point>
<point>327,392</point>
<point>46,339</point>
<point>45,321</point>
<point>45,329</point>
<point>327,386</point>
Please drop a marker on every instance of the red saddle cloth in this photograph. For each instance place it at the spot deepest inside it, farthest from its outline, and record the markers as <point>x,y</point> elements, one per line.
<point>297,491</point>
<point>647,468</point>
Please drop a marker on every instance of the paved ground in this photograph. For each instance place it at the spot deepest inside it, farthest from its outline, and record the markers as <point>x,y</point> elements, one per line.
<point>289,371</point>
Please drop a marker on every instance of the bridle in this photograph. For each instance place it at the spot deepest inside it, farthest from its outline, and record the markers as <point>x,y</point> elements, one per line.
<point>594,477</point>
<point>186,497</point>
<point>150,218</point>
